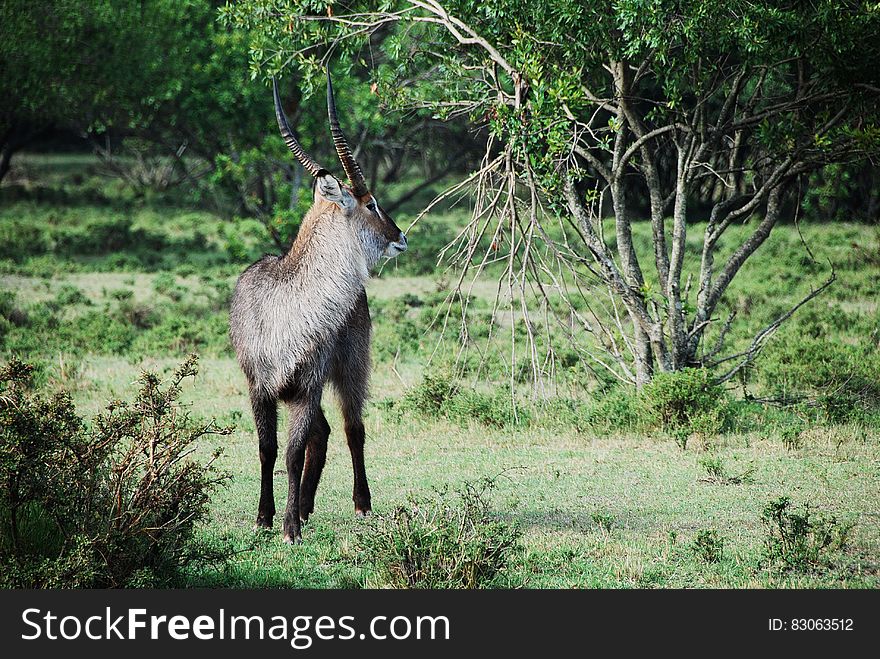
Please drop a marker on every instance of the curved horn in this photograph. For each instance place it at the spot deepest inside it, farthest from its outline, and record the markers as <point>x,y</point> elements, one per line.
<point>307,161</point>
<point>352,169</point>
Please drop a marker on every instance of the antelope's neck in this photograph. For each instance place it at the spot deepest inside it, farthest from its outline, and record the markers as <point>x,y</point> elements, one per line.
<point>327,262</point>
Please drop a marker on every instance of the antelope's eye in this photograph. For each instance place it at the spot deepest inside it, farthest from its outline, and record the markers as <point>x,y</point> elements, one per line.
<point>372,207</point>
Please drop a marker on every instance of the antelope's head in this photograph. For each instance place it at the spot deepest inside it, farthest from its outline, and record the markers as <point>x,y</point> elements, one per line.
<point>378,234</point>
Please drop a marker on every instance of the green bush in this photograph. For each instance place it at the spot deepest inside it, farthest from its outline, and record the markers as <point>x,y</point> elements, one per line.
<point>686,402</point>
<point>178,333</point>
<point>11,316</point>
<point>69,295</point>
<point>717,474</point>
<point>449,539</point>
<point>97,332</point>
<point>561,412</point>
<point>121,326</point>
<point>708,546</point>
<point>430,396</point>
<point>426,239</point>
<point>395,333</point>
<point>841,381</point>
<point>714,467</point>
<point>108,503</point>
<point>792,435</point>
<point>45,239</point>
<point>618,409</point>
<point>439,395</point>
<point>496,410</point>
<point>166,284</point>
<point>603,520</point>
<point>800,540</point>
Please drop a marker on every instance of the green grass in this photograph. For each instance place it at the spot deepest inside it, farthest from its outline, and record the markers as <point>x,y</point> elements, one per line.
<point>95,293</point>
<point>553,484</point>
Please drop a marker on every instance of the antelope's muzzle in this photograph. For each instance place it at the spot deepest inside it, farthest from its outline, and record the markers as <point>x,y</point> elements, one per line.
<point>396,248</point>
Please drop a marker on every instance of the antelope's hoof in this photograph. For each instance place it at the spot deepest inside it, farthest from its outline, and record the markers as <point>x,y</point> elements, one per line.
<point>361,513</point>
<point>263,524</point>
<point>295,540</point>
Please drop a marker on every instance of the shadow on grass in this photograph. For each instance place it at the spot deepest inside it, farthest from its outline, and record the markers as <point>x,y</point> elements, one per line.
<point>260,559</point>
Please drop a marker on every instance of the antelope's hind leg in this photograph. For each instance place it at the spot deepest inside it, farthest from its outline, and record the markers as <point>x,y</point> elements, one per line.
<point>350,376</point>
<point>266,420</point>
<point>354,432</point>
<point>316,455</point>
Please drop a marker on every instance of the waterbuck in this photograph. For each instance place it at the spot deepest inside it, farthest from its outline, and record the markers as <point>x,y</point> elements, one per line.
<point>301,319</point>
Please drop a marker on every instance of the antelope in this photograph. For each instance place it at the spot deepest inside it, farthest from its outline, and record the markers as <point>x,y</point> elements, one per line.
<point>301,319</point>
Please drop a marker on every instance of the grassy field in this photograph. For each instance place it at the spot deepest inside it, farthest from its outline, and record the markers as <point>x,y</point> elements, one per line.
<point>94,293</point>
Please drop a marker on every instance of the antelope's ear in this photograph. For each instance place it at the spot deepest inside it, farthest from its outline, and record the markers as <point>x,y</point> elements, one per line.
<point>327,187</point>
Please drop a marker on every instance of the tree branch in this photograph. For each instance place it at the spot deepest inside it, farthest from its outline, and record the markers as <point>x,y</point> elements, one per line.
<point>764,335</point>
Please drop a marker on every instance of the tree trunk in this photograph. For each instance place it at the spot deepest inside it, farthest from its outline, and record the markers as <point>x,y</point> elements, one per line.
<point>675,309</point>
<point>644,358</point>
<point>5,157</point>
<point>14,139</point>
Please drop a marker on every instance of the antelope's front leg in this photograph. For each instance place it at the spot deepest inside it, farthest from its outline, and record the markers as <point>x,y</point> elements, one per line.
<point>301,417</point>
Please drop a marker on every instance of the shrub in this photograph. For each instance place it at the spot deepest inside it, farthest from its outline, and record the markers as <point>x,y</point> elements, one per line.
<point>96,331</point>
<point>428,239</point>
<point>122,294</point>
<point>564,413</point>
<point>618,409</point>
<point>801,540</point>
<point>496,410</point>
<point>126,327</point>
<point>708,545</point>
<point>105,504</point>
<point>717,474</point>
<point>138,315</point>
<point>430,395</point>
<point>714,467</point>
<point>841,380</point>
<point>70,295</point>
<point>11,316</point>
<point>439,395</point>
<point>179,333</point>
<point>686,402</point>
<point>9,311</point>
<point>792,435</point>
<point>395,332</point>
<point>166,284</point>
<point>604,521</point>
<point>449,539</point>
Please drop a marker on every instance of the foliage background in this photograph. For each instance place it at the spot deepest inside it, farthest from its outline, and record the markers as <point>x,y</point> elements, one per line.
<point>119,249</point>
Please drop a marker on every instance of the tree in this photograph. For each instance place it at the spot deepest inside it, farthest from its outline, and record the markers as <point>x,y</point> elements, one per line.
<point>158,81</point>
<point>426,148</point>
<point>711,111</point>
<point>83,66</point>
<point>168,97</point>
